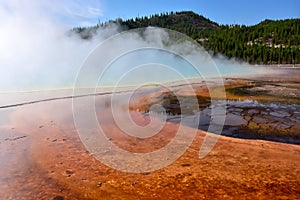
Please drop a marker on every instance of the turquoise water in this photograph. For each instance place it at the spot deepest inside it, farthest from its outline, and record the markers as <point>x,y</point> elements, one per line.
<point>155,65</point>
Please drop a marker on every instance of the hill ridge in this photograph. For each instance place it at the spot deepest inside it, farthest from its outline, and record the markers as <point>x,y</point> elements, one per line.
<point>268,42</point>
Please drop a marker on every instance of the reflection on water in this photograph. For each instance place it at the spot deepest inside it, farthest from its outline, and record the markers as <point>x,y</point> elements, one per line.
<point>258,109</point>
<point>248,119</point>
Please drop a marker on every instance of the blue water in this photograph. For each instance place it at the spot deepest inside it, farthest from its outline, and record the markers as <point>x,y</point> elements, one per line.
<point>155,65</point>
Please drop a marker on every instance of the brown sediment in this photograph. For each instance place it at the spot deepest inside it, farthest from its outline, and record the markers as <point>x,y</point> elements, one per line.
<point>51,162</point>
<point>261,122</point>
<point>233,89</point>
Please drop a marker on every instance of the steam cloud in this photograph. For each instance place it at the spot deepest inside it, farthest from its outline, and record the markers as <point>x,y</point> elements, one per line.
<point>38,51</point>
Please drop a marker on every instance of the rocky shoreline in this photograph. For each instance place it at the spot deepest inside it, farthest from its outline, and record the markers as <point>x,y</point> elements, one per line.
<point>255,109</point>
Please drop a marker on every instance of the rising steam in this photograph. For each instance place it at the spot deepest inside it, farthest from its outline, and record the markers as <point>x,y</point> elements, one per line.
<point>38,51</point>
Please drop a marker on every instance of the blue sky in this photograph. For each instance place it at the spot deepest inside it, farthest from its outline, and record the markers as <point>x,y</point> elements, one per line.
<point>247,12</point>
<point>88,12</point>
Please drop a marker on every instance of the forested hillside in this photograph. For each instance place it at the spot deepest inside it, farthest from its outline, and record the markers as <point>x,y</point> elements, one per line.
<point>269,42</point>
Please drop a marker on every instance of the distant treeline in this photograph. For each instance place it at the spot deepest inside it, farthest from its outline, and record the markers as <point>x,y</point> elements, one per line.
<point>269,42</point>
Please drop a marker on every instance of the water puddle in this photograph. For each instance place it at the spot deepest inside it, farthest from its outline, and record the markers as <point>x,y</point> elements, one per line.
<point>248,119</point>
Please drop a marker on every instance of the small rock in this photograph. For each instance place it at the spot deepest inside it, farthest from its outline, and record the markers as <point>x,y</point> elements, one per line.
<point>234,120</point>
<point>283,126</point>
<point>69,173</point>
<point>99,184</point>
<point>253,111</point>
<point>58,198</point>
<point>280,114</point>
<point>185,165</point>
<point>259,120</point>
